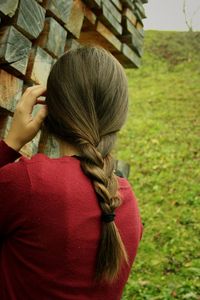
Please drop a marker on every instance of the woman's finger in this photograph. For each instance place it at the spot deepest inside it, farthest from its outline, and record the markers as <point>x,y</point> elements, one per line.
<point>28,99</point>
<point>30,88</point>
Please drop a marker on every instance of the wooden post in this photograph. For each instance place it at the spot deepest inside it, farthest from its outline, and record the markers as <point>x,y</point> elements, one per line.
<point>109,37</point>
<point>39,66</point>
<point>134,43</point>
<point>128,3</point>
<point>113,10</point>
<point>8,7</point>
<point>127,57</point>
<point>89,21</point>
<point>118,4</point>
<point>75,20</point>
<point>140,8</point>
<point>10,90</point>
<point>108,19</point>
<point>102,36</point>
<point>139,27</point>
<point>30,18</point>
<point>5,123</point>
<point>60,10</point>
<point>52,38</point>
<point>93,4</point>
<point>132,37</point>
<point>14,50</point>
<point>127,13</point>
<point>138,15</point>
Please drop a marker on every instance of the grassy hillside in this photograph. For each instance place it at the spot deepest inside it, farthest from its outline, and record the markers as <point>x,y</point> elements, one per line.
<point>161,141</point>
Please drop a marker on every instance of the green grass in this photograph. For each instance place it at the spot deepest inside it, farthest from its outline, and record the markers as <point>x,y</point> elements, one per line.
<point>161,141</point>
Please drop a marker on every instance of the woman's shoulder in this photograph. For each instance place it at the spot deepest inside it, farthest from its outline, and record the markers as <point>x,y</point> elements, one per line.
<point>33,165</point>
<point>124,183</point>
<point>126,189</point>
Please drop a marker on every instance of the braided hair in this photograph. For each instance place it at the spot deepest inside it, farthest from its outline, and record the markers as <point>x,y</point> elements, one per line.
<point>87,98</point>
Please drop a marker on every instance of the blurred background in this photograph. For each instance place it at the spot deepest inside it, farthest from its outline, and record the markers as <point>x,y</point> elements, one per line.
<point>161,141</point>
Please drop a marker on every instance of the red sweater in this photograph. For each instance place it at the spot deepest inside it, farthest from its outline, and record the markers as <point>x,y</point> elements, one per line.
<point>50,225</point>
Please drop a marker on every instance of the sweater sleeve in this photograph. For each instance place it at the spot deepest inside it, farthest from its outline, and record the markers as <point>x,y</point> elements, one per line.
<point>14,192</point>
<point>7,154</point>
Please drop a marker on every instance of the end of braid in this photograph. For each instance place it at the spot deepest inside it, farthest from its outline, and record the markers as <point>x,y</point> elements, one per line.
<point>112,252</point>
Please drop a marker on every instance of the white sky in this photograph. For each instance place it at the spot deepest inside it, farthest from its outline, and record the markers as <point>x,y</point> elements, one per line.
<point>168,14</point>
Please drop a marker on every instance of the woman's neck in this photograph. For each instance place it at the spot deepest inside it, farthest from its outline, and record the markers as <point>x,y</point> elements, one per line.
<point>67,149</point>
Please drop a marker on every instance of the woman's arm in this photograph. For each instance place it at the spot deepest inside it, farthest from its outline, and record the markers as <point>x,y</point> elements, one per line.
<point>7,154</point>
<point>24,127</point>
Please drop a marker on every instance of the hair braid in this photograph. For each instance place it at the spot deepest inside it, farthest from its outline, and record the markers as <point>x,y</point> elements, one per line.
<point>111,249</point>
<point>87,97</point>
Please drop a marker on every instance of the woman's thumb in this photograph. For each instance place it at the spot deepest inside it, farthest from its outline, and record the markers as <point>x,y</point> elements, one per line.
<point>41,115</point>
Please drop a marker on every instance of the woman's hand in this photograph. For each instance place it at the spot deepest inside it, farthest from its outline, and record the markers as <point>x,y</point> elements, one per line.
<point>24,127</point>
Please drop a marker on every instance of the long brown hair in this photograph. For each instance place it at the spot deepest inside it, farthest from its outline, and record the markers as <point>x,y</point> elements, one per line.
<point>87,98</point>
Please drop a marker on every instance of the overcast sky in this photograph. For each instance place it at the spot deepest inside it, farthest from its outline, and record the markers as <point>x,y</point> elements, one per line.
<point>168,14</point>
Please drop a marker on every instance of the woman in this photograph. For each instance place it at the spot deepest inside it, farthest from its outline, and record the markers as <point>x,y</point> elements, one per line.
<point>69,227</point>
